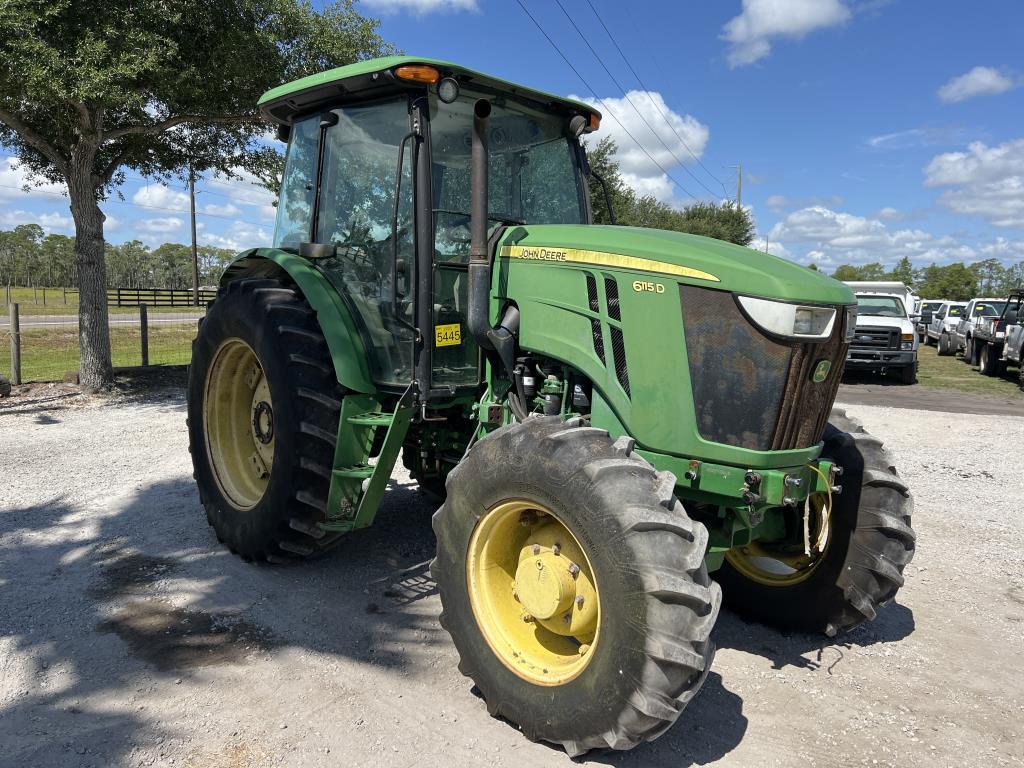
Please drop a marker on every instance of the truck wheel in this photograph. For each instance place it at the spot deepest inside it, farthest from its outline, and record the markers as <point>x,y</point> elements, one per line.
<point>573,585</point>
<point>969,352</point>
<point>908,374</point>
<point>868,542</point>
<point>1020,375</point>
<point>263,406</point>
<point>988,364</point>
<point>945,345</point>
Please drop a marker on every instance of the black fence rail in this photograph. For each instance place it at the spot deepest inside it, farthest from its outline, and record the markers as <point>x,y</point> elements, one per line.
<point>157,297</point>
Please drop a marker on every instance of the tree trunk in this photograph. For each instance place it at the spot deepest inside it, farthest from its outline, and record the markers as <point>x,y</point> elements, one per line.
<point>95,368</point>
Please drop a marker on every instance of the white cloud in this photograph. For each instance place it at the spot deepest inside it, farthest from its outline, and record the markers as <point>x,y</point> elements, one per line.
<point>917,137</point>
<point>160,196</point>
<point>660,141</point>
<point>50,222</point>
<point>238,236</point>
<point>420,7</point>
<point>891,214</point>
<point>14,178</point>
<point>980,81</point>
<point>164,225</point>
<point>779,203</point>
<point>774,247</point>
<point>831,238</point>
<point>228,209</point>
<point>750,34</point>
<point>983,181</point>
<point>245,190</point>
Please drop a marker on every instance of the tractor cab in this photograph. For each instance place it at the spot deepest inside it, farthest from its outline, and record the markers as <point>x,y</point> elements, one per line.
<point>377,186</point>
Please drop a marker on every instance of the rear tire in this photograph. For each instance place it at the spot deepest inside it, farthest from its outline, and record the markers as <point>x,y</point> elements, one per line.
<point>988,365</point>
<point>657,604</point>
<point>275,323</point>
<point>870,544</point>
<point>945,345</point>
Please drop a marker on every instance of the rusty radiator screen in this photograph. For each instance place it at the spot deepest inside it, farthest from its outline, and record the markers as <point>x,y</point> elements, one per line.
<point>750,390</point>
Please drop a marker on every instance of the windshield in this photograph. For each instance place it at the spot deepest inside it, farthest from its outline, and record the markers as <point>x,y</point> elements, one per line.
<point>930,306</point>
<point>533,173</point>
<point>988,308</point>
<point>956,311</point>
<point>880,306</point>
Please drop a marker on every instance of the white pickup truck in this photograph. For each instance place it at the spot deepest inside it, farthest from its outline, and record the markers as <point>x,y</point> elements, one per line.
<point>942,328</point>
<point>963,336</point>
<point>999,340</point>
<point>885,337</point>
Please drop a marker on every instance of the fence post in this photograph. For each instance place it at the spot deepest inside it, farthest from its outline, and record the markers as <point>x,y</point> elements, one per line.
<point>15,345</point>
<point>44,295</point>
<point>65,295</point>
<point>144,333</point>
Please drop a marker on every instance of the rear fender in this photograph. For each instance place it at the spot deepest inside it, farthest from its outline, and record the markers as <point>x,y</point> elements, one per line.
<point>343,339</point>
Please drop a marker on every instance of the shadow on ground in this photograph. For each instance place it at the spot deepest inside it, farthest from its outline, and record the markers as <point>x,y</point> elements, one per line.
<point>83,601</point>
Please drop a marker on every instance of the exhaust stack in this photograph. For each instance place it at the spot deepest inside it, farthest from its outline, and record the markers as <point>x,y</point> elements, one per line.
<point>479,259</point>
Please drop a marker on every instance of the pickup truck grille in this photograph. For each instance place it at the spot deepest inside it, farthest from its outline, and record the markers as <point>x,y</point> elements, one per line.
<point>876,338</point>
<point>751,390</point>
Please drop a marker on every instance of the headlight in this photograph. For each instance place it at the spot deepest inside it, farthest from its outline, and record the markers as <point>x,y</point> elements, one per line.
<point>906,341</point>
<point>790,320</point>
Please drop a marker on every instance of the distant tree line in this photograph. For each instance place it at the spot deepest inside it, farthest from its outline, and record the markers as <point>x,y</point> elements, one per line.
<point>29,257</point>
<point>956,282</point>
<point>724,221</point>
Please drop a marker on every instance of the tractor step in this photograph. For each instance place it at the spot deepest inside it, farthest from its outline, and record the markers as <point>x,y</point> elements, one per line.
<point>371,419</point>
<point>357,487</point>
<point>358,472</point>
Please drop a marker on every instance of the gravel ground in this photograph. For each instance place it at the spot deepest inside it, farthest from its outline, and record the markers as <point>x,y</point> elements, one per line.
<point>129,637</point>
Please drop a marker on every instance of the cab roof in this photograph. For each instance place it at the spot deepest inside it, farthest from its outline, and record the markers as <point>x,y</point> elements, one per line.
<point>282,103</point>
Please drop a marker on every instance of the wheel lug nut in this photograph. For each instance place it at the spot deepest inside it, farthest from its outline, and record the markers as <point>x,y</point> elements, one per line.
<point>584,648</point>
<point>536,549</point>
<point>527,618</point>
<point>556,549</point>
<point>579,601</point>
<point>573,568</point>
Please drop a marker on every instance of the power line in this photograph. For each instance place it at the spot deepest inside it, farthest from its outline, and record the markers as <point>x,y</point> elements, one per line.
<point>600,101</point>
<point>625,94</point>
<point>648,90</point>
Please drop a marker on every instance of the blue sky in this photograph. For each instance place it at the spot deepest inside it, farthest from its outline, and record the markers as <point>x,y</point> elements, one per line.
<point>867,129</point>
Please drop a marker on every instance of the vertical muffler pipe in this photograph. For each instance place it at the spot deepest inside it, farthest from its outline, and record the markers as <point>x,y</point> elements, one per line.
<point>479,258</point>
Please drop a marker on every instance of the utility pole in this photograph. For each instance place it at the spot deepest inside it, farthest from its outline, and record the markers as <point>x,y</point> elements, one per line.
<point>195,251</point>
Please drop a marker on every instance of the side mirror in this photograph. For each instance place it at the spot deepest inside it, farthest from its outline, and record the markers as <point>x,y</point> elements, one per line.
<point>284,132</point>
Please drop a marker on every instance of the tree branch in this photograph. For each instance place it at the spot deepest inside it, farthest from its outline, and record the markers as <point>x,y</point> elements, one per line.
<point>84,120</point>
<point>108,173</point>
<point>34,139</point>
<point>170,122</point>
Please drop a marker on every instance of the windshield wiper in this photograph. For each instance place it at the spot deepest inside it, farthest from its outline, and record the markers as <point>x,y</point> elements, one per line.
<point>499,217</point>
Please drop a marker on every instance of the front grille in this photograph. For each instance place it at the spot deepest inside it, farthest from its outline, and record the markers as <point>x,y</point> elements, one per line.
<point>876,338</point>
<point>751,390</point>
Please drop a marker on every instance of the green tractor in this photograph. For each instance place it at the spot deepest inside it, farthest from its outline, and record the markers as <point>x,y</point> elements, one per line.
<point>611,413</point>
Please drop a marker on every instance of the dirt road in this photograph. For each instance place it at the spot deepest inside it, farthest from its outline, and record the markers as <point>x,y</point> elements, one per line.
<point>129,637</point>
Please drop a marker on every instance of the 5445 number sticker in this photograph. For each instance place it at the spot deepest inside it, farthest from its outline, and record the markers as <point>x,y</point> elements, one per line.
<point>447,335</point>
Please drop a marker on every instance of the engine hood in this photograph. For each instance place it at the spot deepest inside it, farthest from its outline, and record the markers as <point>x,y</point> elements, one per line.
<point>874,321</point>
<point>687,258</point>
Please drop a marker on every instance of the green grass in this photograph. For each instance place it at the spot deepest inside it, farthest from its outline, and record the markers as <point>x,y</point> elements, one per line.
<point>30,302</point>
<point>953,373</point>
<point>48,353</point>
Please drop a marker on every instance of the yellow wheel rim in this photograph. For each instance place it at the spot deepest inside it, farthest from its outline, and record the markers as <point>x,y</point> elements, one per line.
<point>238,422</point>
<point>785,564</point>
<point>533,592</point>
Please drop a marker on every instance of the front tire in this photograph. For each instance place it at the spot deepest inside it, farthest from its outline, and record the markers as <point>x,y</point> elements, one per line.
<point>631,670</point>
<point>908,374</point>
<point>861,569</point>
<point>263,407</point>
